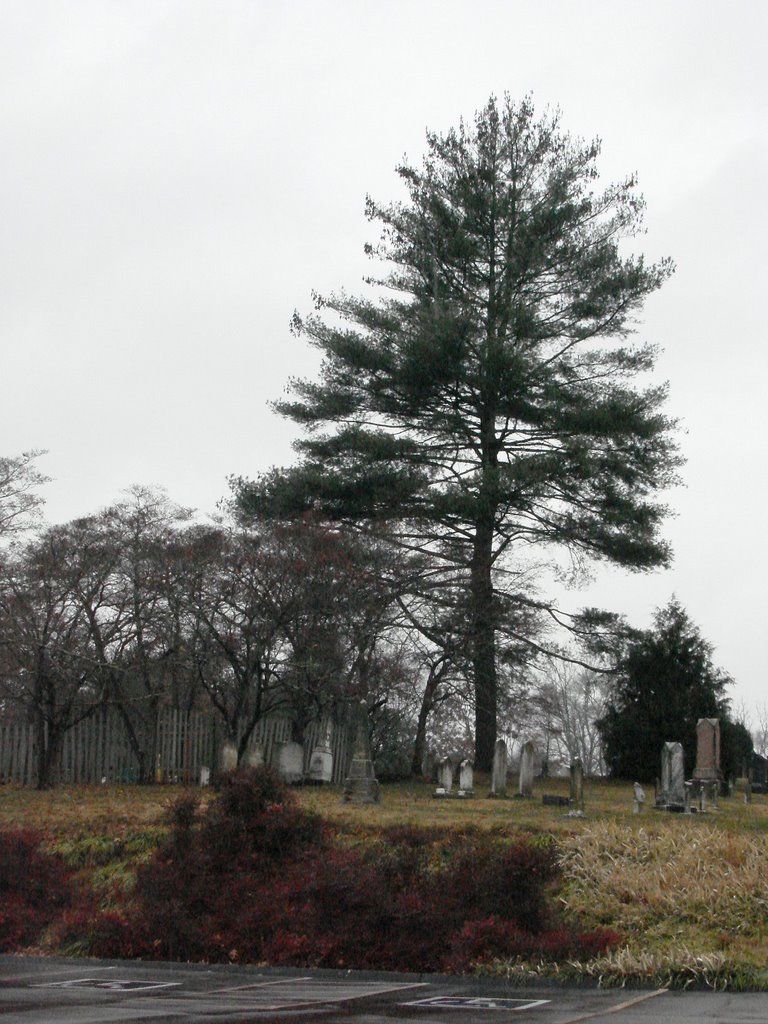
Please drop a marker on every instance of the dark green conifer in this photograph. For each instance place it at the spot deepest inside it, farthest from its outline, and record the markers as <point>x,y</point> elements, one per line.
<point>665,682</point>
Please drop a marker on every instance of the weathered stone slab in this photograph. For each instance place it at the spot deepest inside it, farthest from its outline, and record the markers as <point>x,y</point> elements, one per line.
<point>321,761</point>
<point>527,757</point>
<point>499,770</point>
<point>228,756</point>
<point>466,779</point>
<point>638,801</point>
<point>445,776</point>
<point>361,785</point>
<point>254,756</point>
<point>707,750</point>
<point>553,800</point>
<point>577,789</point>
<point>290,762</point>
<point>671,794</point>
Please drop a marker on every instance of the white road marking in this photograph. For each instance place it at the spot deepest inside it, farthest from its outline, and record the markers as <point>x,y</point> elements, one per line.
<point>478,1003</point>
<point>113,985</point>
<point>255,984</point>
<point>335,992</point>
<point>617,1008</point>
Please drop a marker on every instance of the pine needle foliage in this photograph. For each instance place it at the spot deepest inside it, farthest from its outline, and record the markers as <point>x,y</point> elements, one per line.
<point>488,399</point>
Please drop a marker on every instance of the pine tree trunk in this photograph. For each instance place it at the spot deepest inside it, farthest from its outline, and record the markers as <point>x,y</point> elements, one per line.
<point>483,643</point>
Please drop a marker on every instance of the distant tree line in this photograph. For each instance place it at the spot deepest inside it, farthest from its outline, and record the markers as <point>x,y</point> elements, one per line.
<point>139,608</point>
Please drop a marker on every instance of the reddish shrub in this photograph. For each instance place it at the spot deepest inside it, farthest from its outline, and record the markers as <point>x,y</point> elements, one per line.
<point>288,949</point>
<point>182,816</point>
<point>244,794</point>
<point>570,944</point>
<point>117,935</point>
<point>20,924</point>
<point>257,880</point>
<point>487,939</point>
<point>508,880</point>
<point>34,889</point>
<point>493,938</point>
<point>256,819</point>
<point>213,884</point>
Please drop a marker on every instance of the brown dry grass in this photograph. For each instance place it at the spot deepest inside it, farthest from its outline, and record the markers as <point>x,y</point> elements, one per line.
<point>102,809</point>
<point>68,811</point>
<point>684,871</point>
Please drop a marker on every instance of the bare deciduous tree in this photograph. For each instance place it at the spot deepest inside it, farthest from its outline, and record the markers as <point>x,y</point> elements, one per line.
<point>49,667</point>
<point>567,701</point>
<point>19,501</point>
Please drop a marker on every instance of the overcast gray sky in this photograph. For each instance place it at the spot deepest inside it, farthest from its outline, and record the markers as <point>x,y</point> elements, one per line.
<point>178,175</point>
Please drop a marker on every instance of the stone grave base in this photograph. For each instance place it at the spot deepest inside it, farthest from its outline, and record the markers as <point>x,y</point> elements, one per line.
<point>672,808</point>
<point>555,801</point>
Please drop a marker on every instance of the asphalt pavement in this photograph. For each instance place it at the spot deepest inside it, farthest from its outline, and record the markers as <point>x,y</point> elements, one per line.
<point>42,990</point>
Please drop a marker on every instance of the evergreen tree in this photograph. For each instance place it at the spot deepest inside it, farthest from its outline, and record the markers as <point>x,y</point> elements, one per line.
<point>666,682</point>
<point>486,401</point>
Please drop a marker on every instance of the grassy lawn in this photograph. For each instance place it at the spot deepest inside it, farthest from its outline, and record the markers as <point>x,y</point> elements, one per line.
<point>690,893</point>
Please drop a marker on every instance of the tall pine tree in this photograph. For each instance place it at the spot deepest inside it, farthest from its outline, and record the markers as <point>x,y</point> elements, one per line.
<point>486,399</point>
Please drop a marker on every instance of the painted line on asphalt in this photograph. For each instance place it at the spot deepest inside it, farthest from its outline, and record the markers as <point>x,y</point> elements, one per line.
<point>365,991</point>
<point>111,985</point>
<point>253,985</point>
<point>618,1008</point>
<point>478,1003</point>
<point>25,975</point>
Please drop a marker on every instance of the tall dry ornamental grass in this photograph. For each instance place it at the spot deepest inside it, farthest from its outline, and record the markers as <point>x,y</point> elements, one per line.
<point>691,876</point>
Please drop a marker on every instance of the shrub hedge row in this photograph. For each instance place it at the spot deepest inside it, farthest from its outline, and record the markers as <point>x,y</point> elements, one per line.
<point>255,878</point>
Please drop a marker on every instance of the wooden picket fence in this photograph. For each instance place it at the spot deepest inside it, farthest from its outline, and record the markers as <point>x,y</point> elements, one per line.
<point>97,749</point>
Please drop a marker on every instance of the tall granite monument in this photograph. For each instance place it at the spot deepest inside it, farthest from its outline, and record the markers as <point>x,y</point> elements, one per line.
<point>360,785</point>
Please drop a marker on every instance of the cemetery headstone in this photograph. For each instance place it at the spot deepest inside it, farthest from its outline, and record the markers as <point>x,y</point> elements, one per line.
<point>577,790</point>
<point>687,798</point>
<point>228,756</point>
<point>361,785</point>
<point>499,770</point>
<point>526,769</point>
<point>707,776</point>
<point>672,792</point>
<point>707,793</point>
<point>466,778</point>
<point>707,750</point>
<point>639,798</point>
<point>555,800</point>
<point>444,777</point>
<point>290,762</point>
<point>321,760</point>
<point>254,756</point>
